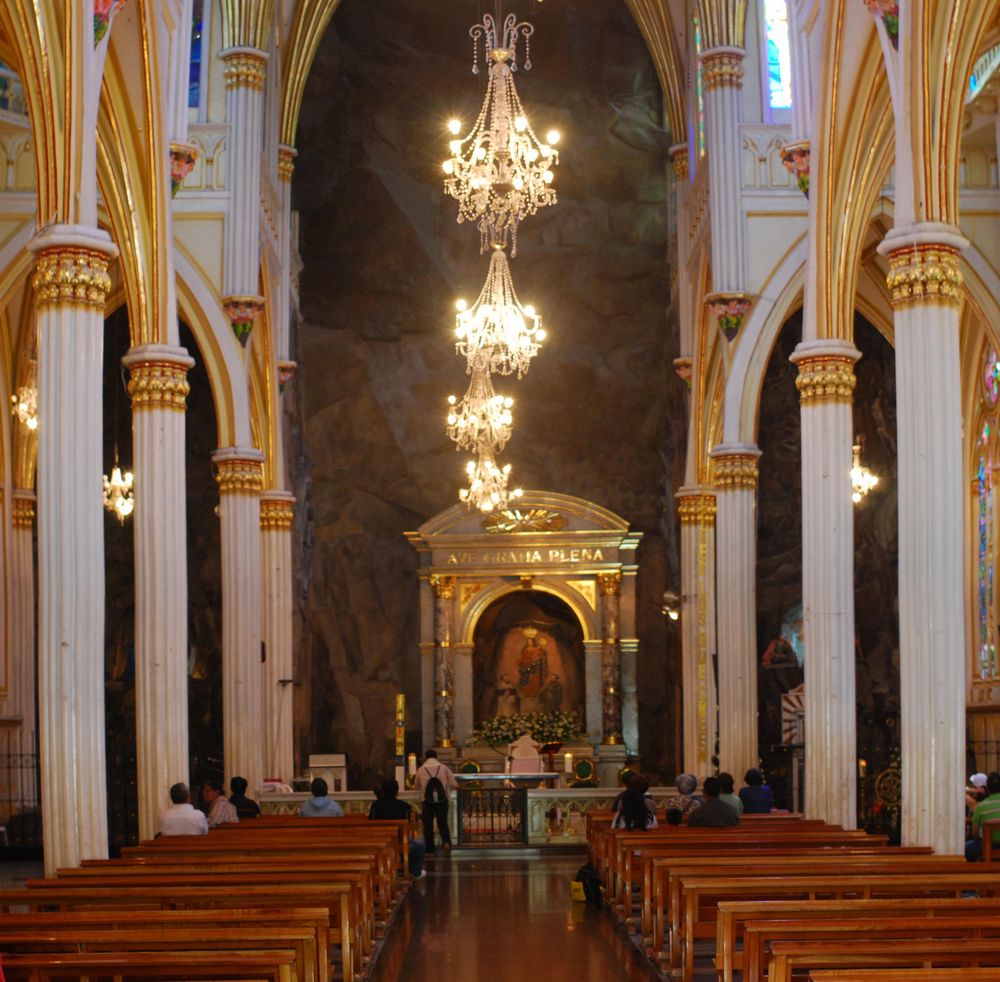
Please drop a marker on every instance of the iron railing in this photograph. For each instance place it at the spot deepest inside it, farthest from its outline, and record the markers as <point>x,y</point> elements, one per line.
<point>492,816</point>
<point>20,797</point>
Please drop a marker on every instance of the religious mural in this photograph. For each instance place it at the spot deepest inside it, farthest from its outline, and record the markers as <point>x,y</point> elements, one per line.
<point>527,658</point>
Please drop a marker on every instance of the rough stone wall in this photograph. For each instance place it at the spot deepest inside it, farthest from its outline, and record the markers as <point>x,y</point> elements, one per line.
<point>599,415</point>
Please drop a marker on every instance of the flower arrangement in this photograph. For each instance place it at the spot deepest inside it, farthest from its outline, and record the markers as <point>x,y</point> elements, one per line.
<point>543,727</point>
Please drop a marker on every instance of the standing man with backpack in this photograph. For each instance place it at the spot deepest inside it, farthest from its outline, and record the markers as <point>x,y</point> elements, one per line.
<point>435,780</point>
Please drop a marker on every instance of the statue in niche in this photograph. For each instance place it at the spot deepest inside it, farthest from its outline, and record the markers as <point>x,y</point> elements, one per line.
<point>532,669</point>
<point>508,700</point>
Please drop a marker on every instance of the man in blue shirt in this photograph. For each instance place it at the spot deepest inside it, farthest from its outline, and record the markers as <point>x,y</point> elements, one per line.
<point>320,805</point>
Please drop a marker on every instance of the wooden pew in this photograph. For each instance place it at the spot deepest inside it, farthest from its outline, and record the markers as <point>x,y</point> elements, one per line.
<point>265,966</point>
<point>733,914</point>
<point>906,975</point>
<point>798,956</point>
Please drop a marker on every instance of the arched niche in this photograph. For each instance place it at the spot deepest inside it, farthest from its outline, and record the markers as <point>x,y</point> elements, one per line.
<point>548,543</point>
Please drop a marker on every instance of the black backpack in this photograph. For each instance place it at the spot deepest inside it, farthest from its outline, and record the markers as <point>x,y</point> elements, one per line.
<point>591,880</point>
<point>434,792</point>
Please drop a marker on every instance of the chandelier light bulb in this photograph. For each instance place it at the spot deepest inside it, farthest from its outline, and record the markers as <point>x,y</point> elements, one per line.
<point>553,137</point>
<point>119,498</point>
<point>487,488</point>
<point>460,305</point>
<point>24,405</point>
<point>483,421</point>
<point>862,479</point>
<point>455,127</point>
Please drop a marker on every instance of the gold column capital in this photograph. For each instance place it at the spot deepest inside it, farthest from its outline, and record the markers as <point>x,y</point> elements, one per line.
<point>158,385</point>
<point>696,509</point>
<point>286,161</point>
<point>245,67</point>
<point>722,68</point>
<point>71,275</point>
<point>679,157</point>
<point>443,586</point>
<point>925,273</point>
<point>236,474</point>
<point>826,378</point>
<point>277,513</point>
<point>609,583</point>
<point>735,471</point>
<point>22,509</point>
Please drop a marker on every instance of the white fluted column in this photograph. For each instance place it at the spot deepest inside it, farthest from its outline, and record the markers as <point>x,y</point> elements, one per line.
<point>245,74</point>
<point>925,284</point>
<point>283,301</point>
<point>444,669</point>
<point>722,74</point>
<point>735,471</point>
<point>609,587</point>
<point>696,509</point>
<point>826,386</point>
<point>159,388</point>
<point>24,677</point>
<point>276,517</point>
<point>71,286</point>
<point>239,474</point>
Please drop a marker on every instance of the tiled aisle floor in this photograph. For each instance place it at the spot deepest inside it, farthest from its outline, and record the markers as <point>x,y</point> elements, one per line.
<point>503,919</point>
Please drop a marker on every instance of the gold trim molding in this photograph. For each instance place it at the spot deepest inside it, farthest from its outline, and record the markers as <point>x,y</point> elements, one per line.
<point>239,475</point>
<point>443,586</point>
<point>696,509</point>
<point>924,274</point>
<point>245,67</point>
<point>680,160</point>
<point>721,69</point>
<point>276,514</point>
<point>738,471</point>
<point>286,162</point>
<point>71,275</point>
<point>158,385</point>
<point>22,511</point>
<point>609,583</point>
<point>826,378</point>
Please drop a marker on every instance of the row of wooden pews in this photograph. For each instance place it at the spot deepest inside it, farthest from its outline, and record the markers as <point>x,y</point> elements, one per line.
<point>780,897</point>
<point>285,899</point>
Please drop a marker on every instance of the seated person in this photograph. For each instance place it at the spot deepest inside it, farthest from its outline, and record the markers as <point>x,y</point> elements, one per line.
<point>387,806</point>
<point>181,817</point>
<point>686,799</point>
<point>245,807</point>
<point>986,811</point>
<point>220,810</point>
<point>633,811</point>
<point>674,816</point>
<point>727,783</point>
<point>975,791</point>
<point>756,796</point>
<point>713,813</point>
<point>320,805</point>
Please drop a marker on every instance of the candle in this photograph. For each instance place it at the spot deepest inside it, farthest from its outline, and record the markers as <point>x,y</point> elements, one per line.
<point>411,764</point>
<point>569,763</point>
<point>506,765</point>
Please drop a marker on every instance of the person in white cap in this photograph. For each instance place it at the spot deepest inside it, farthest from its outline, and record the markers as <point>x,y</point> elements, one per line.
<point>976,791</point>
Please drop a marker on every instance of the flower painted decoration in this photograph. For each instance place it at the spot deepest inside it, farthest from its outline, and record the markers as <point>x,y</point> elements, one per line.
<point>730,311</point>
<point>104,10</point>
<point>888,10</point>
<point>795,157</point>
<point>182,161</point>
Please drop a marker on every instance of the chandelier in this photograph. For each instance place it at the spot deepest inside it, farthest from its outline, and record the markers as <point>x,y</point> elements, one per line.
<point>862,479</point>
<point>496,331</point>
<point>118,496</point>
<point>487,488</point>
<point>500,172</point>
<point>482,418</point>
<point>24,405</point>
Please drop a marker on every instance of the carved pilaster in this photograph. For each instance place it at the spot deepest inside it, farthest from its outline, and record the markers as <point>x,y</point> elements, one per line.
<point>444,669</point>
<point>609,585</point>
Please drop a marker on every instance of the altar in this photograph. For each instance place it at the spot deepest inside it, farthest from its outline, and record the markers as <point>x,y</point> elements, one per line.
<point>527,625</point>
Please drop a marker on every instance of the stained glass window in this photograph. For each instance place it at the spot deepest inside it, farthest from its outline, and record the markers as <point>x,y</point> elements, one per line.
<point>699,90</point>
<point>194,77</point>
<point>779,58</point>
<point>984,487</point>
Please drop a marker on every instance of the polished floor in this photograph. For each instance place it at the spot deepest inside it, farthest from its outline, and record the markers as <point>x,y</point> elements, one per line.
<point>473,919</point>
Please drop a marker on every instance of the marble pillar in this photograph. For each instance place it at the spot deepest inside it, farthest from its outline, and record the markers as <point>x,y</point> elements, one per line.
<point>71,286</point>
<point>696,508</point>
<point>245,74</point>
<point>276,518</point>
<point>283,300</point>
<point>722,74</point>
<point>925,285</point>
<point>158,387</point>
<point>239,474</point>
<point>609,587</point>
<point>444,669</point>
<point>826,385</point>
<point>735,477</point>
<point>21,636</point>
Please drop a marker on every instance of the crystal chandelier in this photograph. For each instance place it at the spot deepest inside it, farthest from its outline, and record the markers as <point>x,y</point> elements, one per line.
<point>500,172</point>
<point>496,331</point>
<point>24,405</point>
<point>862,479</point>
<point>482,418</point>
<point>118,496</point>
<point>487,488</point>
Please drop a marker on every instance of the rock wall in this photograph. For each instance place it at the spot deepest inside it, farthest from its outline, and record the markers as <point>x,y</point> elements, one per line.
<point>599,415</point>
